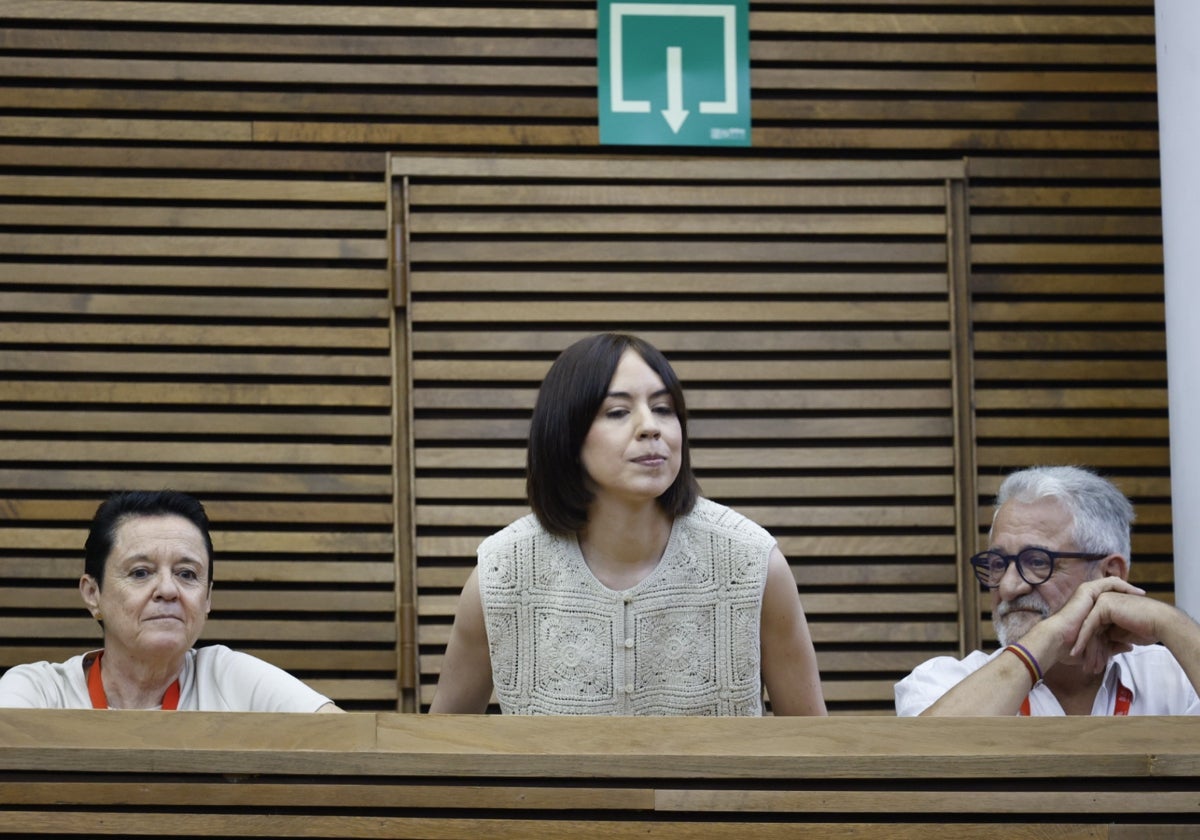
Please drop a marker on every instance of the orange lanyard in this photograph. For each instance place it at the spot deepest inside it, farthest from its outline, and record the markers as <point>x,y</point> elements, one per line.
<point>170,701</point>
<point>1120,707</point>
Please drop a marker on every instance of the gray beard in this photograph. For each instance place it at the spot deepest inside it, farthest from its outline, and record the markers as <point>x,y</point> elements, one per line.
<point>1005,629</point>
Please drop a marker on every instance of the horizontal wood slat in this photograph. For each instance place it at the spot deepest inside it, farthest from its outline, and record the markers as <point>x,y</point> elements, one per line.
<point>733,458</point>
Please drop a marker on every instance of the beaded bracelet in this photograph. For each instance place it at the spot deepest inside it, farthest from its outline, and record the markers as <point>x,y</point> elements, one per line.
<point>1028,660</point>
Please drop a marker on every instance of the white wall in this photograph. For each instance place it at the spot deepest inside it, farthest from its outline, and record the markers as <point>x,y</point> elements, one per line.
<point>1177,25</point>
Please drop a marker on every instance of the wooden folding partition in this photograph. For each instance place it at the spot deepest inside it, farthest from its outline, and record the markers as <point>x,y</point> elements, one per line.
<point>226,336</point>
<point>1070,351</point>
<point>805,307</point>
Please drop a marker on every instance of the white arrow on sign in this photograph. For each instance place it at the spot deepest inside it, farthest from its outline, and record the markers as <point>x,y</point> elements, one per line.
<point>675,113</point>
<point>621,105</point>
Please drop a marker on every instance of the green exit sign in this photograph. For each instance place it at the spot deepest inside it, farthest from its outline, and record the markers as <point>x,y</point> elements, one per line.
<point>674,73</point>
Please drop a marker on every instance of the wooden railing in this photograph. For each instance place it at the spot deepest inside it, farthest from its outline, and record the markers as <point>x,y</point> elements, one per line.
<point>418,776</point>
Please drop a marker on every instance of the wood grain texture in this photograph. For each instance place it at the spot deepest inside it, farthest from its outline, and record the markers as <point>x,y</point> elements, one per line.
<point>208,280</point>
<point>360,775</point>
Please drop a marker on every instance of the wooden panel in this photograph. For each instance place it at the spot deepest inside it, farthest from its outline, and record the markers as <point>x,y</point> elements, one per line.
<point>806,385</point>
<point>205,369</point>
<point>1070,351</point>
<point>413,776</point>
<point>212,319</point>
<point>980,77</point>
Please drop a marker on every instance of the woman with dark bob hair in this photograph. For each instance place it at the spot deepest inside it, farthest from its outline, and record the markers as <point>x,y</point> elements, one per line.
<point>625,592</point>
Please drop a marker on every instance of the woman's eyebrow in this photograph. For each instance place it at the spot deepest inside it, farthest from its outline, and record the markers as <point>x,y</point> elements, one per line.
<point>626,395</point>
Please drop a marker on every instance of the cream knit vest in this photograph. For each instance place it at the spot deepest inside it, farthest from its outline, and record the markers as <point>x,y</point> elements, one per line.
<point>684,641</point>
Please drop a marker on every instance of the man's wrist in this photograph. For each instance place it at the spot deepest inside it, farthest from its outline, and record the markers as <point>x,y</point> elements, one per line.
<point>1175,628</point>
<point>1028,660</point>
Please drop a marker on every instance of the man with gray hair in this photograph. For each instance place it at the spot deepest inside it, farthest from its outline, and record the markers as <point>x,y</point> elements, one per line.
<point>1076,637</point>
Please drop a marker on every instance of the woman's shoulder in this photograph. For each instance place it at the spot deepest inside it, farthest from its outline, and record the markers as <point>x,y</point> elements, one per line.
<point>74,663</point>
<point>513,553</point>
<point>214,656</point>
<point>215,661</point>
<point>712,516</point>
<point>46,670</point>
<point>45,684</point>
<point>524,529</point>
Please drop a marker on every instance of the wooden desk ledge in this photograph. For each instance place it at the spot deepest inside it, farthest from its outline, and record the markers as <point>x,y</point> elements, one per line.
<point>588,747</point>
<point>199,774</point>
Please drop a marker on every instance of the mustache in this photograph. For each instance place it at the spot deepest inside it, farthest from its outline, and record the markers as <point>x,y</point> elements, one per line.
<point>1025,602</point>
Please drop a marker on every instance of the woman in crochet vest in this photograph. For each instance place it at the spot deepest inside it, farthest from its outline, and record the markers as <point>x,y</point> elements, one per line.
<point>625,592</point>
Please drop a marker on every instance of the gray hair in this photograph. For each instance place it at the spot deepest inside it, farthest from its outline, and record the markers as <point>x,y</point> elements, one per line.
<point>1100,513</point>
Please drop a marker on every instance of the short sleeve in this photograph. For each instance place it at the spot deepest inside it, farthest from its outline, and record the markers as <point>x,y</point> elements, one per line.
<point>238,682</point>
<point>45,685</point>
<point>20,689</point>
<point>931,679</point>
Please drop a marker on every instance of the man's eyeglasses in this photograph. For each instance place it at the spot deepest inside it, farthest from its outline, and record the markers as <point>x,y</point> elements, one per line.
<point>1034,565</point>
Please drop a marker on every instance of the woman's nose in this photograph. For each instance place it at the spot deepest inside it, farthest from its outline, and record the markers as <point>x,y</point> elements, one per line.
<point>648,424</point>
<point>165,586</point>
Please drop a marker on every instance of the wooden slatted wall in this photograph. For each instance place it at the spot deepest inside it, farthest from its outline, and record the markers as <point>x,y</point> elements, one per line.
<point>229,337</point>
<point>209,172</point>
<point>1070,352</point>
<point>805,309</point>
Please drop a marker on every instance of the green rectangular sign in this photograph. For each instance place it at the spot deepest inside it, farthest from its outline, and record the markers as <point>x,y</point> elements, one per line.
<point>674,73</point>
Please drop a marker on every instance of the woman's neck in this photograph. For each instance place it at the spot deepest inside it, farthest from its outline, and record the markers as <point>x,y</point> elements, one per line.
<point>130,683</point>
<point>623,544</point>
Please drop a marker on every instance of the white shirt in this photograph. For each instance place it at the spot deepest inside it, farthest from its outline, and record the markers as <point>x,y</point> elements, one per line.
<point>214,679</point>
<point>1157,682</point>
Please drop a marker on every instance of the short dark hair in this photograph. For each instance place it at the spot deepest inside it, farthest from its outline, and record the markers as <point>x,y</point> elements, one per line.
<point>567,403</point>
<point>128,504</point>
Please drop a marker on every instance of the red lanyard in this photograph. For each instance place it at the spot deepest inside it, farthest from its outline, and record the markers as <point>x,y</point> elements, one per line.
<point>1120,707</point>
<point>170,701</point>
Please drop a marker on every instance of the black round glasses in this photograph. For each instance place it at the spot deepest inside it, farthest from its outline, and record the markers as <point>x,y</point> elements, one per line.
<point>1034,565</point>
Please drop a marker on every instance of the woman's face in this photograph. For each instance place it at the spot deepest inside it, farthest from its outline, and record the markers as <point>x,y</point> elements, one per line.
<point>633,447</point>
<point>156,593</point>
